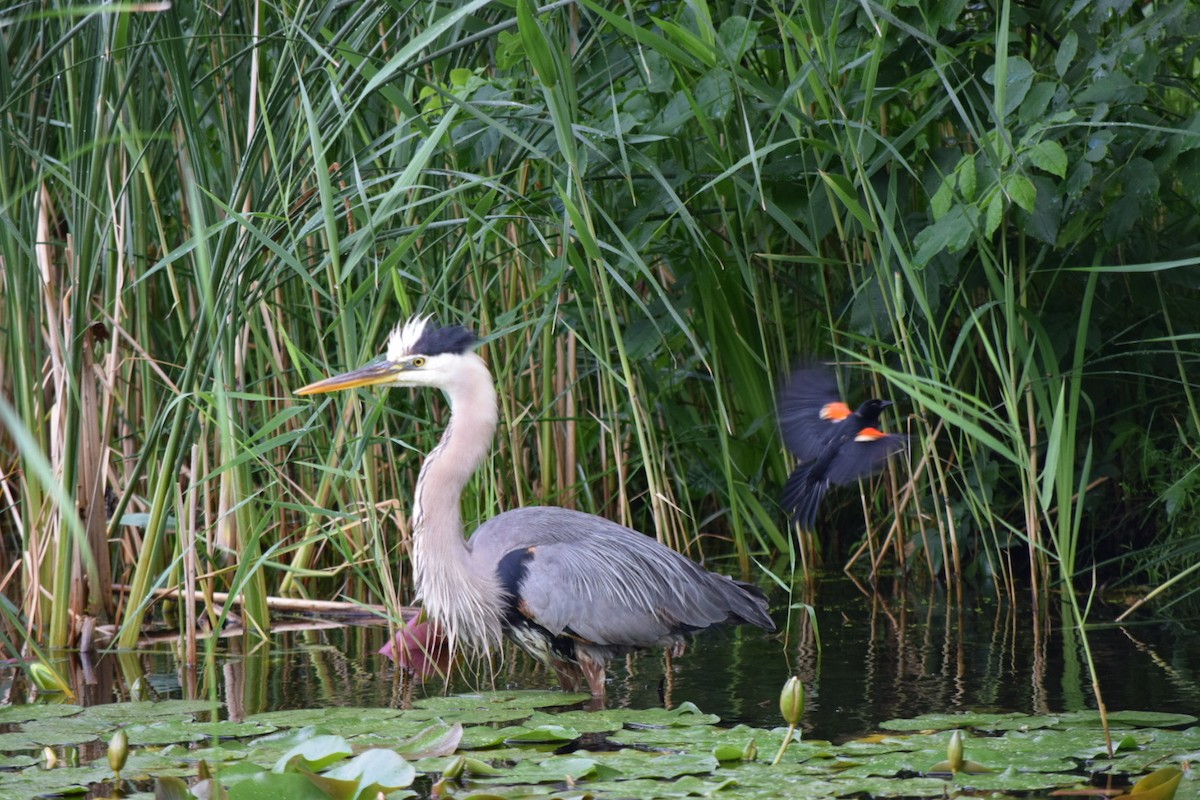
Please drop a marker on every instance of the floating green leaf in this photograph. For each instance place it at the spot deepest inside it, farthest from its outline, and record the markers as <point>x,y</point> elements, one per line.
<point>500,699</point>
<point>335,717</point>
<point>557,769</point>
<point>1158,785</point>
<point>316,753</point>
<point>682,715</point>
<point>40,711</point>
<point>1140,719</point>
<point>375,772</point>
<point>581,721</point>
<point>435,740</point>
<point>124,713</point>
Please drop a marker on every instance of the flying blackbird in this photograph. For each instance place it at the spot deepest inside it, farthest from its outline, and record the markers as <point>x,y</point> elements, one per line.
<point>832,443</point>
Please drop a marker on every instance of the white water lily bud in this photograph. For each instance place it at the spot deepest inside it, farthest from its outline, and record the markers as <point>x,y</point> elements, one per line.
<point>954,752</point>
<point>791,701</point>
<point>118,751</point>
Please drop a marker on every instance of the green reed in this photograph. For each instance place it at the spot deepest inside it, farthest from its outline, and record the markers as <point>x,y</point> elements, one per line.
<point>649,215</point>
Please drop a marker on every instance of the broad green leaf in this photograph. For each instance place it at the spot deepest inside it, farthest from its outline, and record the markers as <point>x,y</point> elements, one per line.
<point>375,771</point>
<point>543,733</point>
<point>501,699</point>
<point>995,213</point>
<point>436,740</point>
<point>317,753</point>
<point>557,769</point>
<point>1066,53</point>
<point>940,203</point>
<point>967,177</point>
<point>266,785</point>
<point>1019,79</point>
<point>36,711</point>
<point>951,232</point>
<point>1049,156</point>
<point>1158,785</point>
<point>1021,190</point>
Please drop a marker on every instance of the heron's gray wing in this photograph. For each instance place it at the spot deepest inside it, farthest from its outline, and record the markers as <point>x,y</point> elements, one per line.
<point>589,578</point>
<point>809,410</point>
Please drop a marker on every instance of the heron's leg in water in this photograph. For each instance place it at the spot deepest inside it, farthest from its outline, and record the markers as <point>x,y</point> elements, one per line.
<point>593,670</point>
<point>568,674</point>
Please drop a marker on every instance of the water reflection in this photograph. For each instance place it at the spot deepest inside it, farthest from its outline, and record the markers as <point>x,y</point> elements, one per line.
<point>864,658</point>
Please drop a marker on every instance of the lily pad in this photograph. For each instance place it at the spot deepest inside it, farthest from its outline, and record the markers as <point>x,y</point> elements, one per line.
<point>638,764</point>
<point>435,740</point>
<point>978,720</point>
<point>499,699</point>
<point>679,752</point>
<point>125,713</point>
<point>232,730</point>
<point>687,786</point>
<point>375,772</point>
<point>543,734</point>
<point>249,782</point>
<point>164,732</point>
<point>481,737</point>
<point>36,781</point>
<point>580,721</point>
<point>705,737</point>
<point>316,753</point>
<point>1158,785</point>
<point>683,715</point>
<point>36,711</point>
<point>414,741</point>
<point>335,717</point>
<point>1015,780</point>
<point>1139,719</point>
<point>471,716</point>
<point>20,741</point>
<point>557,769</point>
<point>218,754</point>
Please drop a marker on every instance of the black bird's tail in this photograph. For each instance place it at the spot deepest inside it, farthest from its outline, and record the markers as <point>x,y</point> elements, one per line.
<point>802,495</point>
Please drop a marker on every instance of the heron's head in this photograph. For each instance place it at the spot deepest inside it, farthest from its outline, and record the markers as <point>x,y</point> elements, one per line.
<point>871,409</point>
<point>419,353</point>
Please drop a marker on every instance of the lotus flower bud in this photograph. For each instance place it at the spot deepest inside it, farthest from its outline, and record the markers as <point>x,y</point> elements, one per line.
<point>791,701</point>
<point>118,751</point>
<point>954,752</point>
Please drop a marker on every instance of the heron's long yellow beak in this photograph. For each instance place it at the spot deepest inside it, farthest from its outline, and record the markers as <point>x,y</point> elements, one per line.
<point>379,371</point>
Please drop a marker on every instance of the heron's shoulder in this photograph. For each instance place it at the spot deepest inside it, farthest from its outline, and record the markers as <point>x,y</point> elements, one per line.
<point>540,525</point>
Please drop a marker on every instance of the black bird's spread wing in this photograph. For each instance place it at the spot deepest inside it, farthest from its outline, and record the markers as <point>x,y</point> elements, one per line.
<point>810,410</point>
<point>864,455</point>
<point>833,444</point>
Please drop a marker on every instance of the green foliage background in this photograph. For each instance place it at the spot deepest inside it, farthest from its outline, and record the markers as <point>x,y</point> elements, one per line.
<point>650,211</point>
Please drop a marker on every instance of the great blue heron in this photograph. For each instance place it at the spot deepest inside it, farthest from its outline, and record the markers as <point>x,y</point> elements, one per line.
<point>572,589</point>
<point>834,444</point>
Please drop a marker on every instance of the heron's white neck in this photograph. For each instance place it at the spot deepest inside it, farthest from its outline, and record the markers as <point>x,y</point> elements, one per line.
<point>463,597</point>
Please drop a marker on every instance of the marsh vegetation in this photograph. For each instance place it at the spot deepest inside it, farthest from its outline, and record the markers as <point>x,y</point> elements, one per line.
<point>986,212</point>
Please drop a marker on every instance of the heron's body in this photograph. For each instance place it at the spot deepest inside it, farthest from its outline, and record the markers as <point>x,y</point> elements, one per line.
<point>572,589</point>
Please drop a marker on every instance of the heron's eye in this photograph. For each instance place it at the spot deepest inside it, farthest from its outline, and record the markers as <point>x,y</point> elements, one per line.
<point>418,362</point>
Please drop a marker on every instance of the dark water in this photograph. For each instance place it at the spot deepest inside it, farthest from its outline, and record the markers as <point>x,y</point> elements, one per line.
<point>866,660</point>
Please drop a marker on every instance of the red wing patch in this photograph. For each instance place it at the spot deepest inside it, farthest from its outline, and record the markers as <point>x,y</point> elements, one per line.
<point>870,435</point>
<point>835,411</point>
